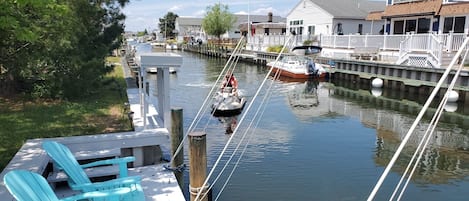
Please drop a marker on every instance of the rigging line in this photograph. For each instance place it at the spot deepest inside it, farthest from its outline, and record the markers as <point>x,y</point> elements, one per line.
<point>412,128</point>
<point>420,149</point>
<point>263,106</point>
<point>197,117</point>
<point>427,136</point>
<point>231,67</point>
<point>236,129</point>
<point>437,116</point>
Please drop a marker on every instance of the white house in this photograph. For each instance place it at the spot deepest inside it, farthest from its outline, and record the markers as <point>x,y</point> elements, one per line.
<point>187,27</point>
<point>316,17</point>
<point>421,17</point>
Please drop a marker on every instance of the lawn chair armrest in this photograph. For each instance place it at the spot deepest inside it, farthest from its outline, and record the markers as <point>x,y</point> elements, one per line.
<point>122,162</point>
<point>99,194</point>
<point>115,183</point>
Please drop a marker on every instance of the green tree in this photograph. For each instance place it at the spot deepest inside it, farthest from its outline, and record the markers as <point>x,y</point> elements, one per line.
<point>168,24</point>
<point>218,20</point>
<point>52,48</point>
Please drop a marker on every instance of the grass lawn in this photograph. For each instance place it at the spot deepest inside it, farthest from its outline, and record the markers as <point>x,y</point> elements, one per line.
<point>102,113</point>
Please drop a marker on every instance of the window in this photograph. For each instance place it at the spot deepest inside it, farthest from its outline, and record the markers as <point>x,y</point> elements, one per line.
<point>459,24</point>
<point>423,25</point>
<point>339,29</point>
<point>455,24</point>
<point>410,25</point>
<point>360,29</point>
<point>399,27</point>
<point>448,25</point>
<point>300,31</point>
<point>311,30</point>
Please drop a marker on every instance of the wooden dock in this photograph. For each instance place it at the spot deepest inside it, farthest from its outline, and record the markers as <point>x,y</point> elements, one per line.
<point>149,146</point>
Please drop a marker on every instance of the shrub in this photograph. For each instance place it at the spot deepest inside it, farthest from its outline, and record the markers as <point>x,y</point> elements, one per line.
<point>276,48</point>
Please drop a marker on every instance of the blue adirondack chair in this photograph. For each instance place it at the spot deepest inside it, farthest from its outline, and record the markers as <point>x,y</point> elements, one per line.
<point>78,180</point>
<point>30,186</point>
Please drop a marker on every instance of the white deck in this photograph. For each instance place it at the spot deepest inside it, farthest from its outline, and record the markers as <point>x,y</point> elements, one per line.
<point>157,183</point>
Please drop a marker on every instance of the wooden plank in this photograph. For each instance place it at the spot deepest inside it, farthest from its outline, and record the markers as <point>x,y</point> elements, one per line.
<point>101,171</point>
<point>97,154</point>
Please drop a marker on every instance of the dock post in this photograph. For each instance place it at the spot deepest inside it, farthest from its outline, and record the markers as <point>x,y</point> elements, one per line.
<point>198,165</point>
<point>177,135</point>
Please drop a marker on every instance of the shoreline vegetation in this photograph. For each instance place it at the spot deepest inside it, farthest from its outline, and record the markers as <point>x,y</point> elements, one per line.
<point>104,111</point>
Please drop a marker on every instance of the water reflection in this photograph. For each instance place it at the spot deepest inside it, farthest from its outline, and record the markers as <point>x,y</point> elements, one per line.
<point>445,160</point>
<point>229,122</point>
<point>335,139</point>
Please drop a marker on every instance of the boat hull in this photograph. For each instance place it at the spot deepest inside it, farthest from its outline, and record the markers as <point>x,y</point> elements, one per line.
<point>227,106</point>
<point>293,75</point>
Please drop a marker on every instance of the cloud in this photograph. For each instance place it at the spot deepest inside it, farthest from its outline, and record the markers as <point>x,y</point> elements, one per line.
<point>174,9</point>
<point>142,14</point>
<point>200,13</point>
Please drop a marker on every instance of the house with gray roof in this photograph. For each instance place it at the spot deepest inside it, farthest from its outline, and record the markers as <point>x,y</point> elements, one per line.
<point>316,17</point>
<point>192,27</point>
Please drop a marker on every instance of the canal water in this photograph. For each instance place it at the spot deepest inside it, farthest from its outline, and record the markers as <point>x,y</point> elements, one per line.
<point>319,140</point>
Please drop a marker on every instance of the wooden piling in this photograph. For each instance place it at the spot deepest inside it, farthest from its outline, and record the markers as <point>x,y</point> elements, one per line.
<point>198,165</point>
<point>177,135</point>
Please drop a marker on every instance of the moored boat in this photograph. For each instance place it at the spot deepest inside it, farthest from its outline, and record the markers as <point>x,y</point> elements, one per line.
<point>297,67</point>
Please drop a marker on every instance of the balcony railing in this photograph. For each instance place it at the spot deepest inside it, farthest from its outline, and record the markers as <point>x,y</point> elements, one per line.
<point>420,42</point>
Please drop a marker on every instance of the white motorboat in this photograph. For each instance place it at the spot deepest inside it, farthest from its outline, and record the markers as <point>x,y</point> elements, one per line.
<point>297,67</point>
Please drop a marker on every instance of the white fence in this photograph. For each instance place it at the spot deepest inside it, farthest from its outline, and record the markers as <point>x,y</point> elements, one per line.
<point>420,42</point>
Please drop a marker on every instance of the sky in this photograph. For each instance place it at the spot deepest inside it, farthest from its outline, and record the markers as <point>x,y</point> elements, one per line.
<point>144,14</point>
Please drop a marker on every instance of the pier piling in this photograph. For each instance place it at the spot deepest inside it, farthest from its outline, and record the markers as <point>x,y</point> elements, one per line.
<point>198,165</point>
<point>177,135</point>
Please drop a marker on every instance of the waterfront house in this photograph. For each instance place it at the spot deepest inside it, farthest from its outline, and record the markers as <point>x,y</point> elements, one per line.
<point>311,18</point>
<point>315,17</point>
<point>265,27</point>
<point>188,27</point>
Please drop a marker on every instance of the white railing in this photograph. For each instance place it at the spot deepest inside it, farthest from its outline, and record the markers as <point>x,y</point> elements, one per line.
<point>419,42</point>
<point>383,42</point>
<point>436,48</point>
<point>429,49</point>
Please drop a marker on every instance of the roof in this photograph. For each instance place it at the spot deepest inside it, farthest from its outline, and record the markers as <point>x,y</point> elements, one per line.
<point>420,8</point>
<point>263,25</point>
<point>259,18</point>
<point>351,9</point>
<point>428,7</point>
<point>187,21</point>
<point>375,15</point>
<point>455,9</point>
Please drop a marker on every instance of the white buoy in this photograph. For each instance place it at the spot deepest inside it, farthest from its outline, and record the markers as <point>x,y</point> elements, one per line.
<point>376,92</point>
<point>377,83</point>
<point>453,96</point>
<point>451,107</point>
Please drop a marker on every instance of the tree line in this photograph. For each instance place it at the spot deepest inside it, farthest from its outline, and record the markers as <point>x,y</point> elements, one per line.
<point>57,48</point>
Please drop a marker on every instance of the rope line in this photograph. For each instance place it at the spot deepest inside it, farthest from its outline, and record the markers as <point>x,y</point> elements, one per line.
<point>263,106</point>
<point>201,109</point>
<point>240,122</point>
<point>431,128</point>
<point>414,125</point>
